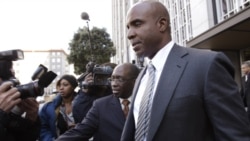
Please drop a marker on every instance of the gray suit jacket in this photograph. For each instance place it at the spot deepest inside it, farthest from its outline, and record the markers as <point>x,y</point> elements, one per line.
<point>196,99</point>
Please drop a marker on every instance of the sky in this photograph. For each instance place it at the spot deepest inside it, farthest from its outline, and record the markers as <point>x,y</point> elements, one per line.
<point>48,24</point>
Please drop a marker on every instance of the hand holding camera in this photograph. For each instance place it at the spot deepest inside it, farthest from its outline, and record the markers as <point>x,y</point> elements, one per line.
<point>30,106</point>
<point>9,97</point>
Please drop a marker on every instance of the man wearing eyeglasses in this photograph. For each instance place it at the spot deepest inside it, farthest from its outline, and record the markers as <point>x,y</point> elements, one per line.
<point>106,118</point>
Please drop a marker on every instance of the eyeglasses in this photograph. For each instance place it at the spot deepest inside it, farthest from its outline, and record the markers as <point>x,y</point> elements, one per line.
<point>119,79</point>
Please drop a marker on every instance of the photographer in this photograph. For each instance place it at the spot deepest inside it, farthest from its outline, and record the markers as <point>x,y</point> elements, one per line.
<point>18,117</point>
<point>88,93</point>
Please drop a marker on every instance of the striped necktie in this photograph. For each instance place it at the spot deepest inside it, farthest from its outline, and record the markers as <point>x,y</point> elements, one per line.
<point>145,106</point>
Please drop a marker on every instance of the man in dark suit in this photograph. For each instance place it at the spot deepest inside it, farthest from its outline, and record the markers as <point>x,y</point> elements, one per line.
<point>195,97</point>
<point>105,120</point>
<point>245,89</point>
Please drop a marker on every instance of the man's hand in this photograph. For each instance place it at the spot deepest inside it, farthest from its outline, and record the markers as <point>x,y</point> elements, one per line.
<point>9,97</point>
<point>30,106</point>
<point>87,81</point>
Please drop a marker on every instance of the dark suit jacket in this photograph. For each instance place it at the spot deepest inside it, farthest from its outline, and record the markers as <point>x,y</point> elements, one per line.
<point>244,90</point>
<point>196,99</point>
<point>105,120</point>
<point>245,93</point>
<point>85,102</point>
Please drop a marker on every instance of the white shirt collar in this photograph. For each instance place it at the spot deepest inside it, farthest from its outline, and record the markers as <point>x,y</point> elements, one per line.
<point>121,99</point>
<point>159,59</point>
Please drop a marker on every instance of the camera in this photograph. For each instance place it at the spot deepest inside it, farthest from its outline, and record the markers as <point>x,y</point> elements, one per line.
<point>40,80</point>
<point>100,74</point>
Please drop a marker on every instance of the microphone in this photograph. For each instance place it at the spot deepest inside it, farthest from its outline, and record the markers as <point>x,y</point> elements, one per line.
<point>85,16</point>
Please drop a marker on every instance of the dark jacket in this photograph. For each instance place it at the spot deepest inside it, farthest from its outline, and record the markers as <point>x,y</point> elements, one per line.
<point>245,93</point>
<point>81,105</point>
<point>196,99</point>
<point>104,121</point>
<point>52,122</point>
<point>15,128</point>
<point>85,101</point>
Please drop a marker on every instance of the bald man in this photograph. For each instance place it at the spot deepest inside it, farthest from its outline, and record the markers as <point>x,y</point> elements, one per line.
<point>106,118</point>
<point>194,96</point>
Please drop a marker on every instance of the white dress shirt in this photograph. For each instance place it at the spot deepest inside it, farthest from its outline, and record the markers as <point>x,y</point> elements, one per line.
<point>158,61</point>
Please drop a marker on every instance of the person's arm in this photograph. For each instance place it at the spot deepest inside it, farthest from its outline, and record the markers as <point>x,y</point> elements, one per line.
<point>47,117</point>
<point>223,103</point>
<point>84,130</point>
<point>4,120</point>
<point>32,122</point>
<point>30,106</point>
<point>9,97</point>
<point>23,129</point>
<point>85,101</point>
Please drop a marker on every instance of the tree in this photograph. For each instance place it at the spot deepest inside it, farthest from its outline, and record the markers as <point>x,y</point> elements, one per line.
<point>98,49</point>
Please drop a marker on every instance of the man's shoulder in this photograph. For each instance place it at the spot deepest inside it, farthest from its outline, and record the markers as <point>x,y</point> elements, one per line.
<point>104,99</point>
<point>108,97</point>
<point>196,52</point>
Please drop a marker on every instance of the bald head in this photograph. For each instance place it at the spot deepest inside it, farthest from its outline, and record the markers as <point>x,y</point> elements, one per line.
<point>148,27</point>
<point>129,69</point>
<point>123,79</point>
<point>155,9</point>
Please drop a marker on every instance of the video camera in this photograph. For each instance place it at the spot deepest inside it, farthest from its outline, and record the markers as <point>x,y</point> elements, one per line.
<point>40,80</point>
<point>100,74</point>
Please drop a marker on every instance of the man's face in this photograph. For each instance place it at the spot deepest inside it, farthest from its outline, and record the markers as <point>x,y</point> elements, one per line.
<point>122,84</point>
<point>143,32</point>
<point>245,69</point>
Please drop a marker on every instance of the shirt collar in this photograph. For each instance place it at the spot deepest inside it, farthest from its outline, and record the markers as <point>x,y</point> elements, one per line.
<point>161,55</point>
<point>121,99</point>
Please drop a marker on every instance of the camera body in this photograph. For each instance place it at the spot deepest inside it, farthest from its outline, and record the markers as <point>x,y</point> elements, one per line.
<point>40,80</point>
<point>101,75</point>
<point>31,89</point>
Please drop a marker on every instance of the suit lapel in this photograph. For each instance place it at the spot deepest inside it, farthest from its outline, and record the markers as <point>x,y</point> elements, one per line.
<point>171,74</point>
<point>116,109</point>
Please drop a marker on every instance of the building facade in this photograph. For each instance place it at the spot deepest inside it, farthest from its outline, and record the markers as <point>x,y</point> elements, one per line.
<point>189,18</point>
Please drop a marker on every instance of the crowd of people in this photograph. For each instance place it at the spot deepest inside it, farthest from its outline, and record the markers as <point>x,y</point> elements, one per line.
<point>174,98</point>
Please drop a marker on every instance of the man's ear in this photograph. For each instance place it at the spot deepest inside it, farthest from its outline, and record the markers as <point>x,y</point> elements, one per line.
<point>163,24</point>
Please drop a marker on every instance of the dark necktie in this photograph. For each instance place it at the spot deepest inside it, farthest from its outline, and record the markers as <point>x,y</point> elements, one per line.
<point>145,106</point>
<point>125,103</point>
